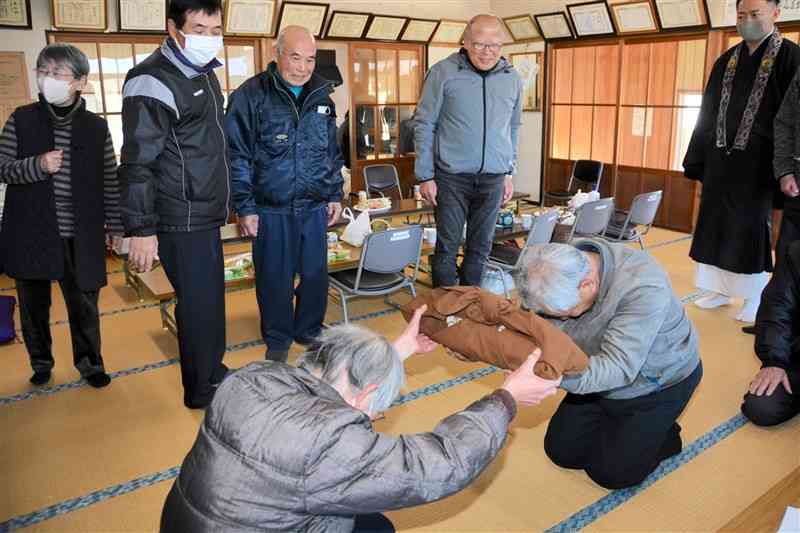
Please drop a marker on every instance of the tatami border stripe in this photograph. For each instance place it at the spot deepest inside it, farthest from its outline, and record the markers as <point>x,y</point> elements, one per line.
<point>608,503</point>
<point>113,491</point>
<point>49,391</point>
<point>673,241</point>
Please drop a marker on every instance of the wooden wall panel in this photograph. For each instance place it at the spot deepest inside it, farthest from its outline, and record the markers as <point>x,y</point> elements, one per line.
<point>581,137</point>
<point>691,60</point>
<point>562,84</point>
<point>604,129</point>
<point>583,73</point>
<point>657,141</point>
<point>628,186</point>
<point>662,73</point>
<point>606,80</point>
<point>635,66</point>
<point>561,132</point>
<point>631,136</point>
<point>680,208</point>
<point>607,182</point>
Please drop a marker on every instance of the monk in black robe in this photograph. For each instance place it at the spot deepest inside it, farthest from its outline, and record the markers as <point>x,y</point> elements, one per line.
<point>731,153</point>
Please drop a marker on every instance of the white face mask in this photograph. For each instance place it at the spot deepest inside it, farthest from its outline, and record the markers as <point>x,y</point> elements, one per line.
<point>56,92</point>
<point>201,49</point>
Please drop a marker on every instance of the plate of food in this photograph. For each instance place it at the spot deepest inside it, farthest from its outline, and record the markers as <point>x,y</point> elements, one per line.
<point>375,205</point>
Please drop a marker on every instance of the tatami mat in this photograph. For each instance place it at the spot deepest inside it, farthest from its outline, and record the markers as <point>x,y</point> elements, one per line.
<point>67,444</point>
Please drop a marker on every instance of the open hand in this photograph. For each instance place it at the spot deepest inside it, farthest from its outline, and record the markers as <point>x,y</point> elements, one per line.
<point>768,379</point>
<point>411,341</point>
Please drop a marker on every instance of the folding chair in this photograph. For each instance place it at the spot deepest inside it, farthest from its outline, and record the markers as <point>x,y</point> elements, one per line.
<point>586,175</point>
<point>641,213</point>
<point>592,218</point>
<point>505,258</point>
<point>381,268</point>
<point>382,180</point>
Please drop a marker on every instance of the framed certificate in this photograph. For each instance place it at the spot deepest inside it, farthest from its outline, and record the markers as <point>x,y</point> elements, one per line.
<point>522,29</point>
<point>142,15</point>
<point>591,19</point>
<point>634,17</point>
<point>681,14</point>
<point>530,68</point>
<point>419,30</point>
<point>309,15</point>
<point>554,26</point>
<point>80,15</point>
<point>13,76</point>
<point>347,25</point>
<point>250,17</point>
<point>384,28</point>
<point>449,32</point>
<point>15,14</point>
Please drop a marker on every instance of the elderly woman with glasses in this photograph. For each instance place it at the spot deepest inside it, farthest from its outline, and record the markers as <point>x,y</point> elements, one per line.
<point>286,448</point>
<point>62,197</point>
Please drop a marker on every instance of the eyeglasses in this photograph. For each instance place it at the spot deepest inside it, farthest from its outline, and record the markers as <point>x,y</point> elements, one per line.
<point>493,47</point>
<point>58,74</point>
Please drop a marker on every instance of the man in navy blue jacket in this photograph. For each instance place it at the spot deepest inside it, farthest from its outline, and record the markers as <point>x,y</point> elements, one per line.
<point>287,187</point>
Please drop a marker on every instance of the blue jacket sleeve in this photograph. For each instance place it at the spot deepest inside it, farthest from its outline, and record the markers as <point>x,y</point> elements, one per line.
<point>335,153</point>
<point>426,118</point>
<point>240,129</point>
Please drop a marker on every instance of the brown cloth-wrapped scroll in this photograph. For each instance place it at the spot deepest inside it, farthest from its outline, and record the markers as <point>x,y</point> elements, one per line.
<point>482,326</point>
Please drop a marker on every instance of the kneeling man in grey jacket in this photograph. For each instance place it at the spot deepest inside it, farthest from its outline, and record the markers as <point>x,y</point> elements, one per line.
<point>618,420</point>
<point>286,448</point>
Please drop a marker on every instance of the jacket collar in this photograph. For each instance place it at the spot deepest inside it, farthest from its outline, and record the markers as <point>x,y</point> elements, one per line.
<point>171,50</point>
<point>77,107</point>
<point>606,268</point>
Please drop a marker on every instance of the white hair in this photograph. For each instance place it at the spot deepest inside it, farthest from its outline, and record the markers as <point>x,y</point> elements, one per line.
<point>280,44</point>
<point>364,356</point>
<point>548,277</point>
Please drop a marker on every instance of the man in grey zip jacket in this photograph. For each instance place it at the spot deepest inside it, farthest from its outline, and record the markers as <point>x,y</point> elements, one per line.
<point>466,130</point>
<point>175,184</point>
<point>618,420</point>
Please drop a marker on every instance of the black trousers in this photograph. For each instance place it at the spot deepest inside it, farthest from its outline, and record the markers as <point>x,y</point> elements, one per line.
<point>789,232</point>
<point>373,523</point>
<point>84,319</point>
<point>193,264</point>
<point>618,442</point>
<point>776,408</point>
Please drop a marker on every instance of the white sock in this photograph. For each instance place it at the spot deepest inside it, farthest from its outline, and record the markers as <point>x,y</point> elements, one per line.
<point>712,301</point>
<point>748,311</point>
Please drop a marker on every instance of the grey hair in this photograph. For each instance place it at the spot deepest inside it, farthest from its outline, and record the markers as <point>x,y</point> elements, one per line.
<point>471,23</point>
<point>364,356</point>
<point>281,41</point>
<point>64,54</point>
<point>548,277</point>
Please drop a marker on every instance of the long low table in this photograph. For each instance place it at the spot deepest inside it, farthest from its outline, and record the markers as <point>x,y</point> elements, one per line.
<point>156,285</point>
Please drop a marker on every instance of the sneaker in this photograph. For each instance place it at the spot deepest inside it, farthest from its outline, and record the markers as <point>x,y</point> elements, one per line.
<point>41,377</point>
<point>712,301</point>
<point>99,380</point>
<point>748,311</point>
<point>280,356</point>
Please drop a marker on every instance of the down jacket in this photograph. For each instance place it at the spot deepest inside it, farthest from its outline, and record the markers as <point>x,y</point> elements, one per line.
<point>280,450</point>
<point>778,319</point>
<point>283,151</point>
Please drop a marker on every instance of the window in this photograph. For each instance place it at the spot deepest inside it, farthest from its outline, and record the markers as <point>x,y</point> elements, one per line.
<point>655,97</point>
<point>386,82</point>
<point>112,55</point>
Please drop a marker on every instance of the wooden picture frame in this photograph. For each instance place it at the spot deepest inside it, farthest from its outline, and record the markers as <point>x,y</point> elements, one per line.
<point>239,12</point>
<point>446,32</point>
<point>142,15</point>
<point>522,29</point>
<point>419,30</point>
<point>591,19</point>
<point>530,67</point>
<point>14,76</point>
<point>635,17</point>
<point>79,15</point>
<point>310,15</point>
<point>339,21</point>
<point>681,15</point>
<point>554,26</point>
<point>15,14</point>
<point>385,28</point>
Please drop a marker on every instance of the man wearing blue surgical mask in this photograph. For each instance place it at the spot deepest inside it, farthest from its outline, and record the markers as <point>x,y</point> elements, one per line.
<point>731,153</point>
<point>176,184</point>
